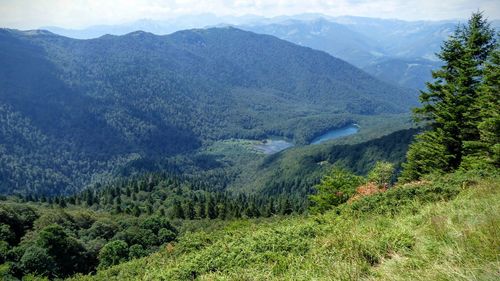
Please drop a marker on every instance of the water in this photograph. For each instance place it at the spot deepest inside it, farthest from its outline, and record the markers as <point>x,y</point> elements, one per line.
<point>273,146</point>
<point>336,133</point>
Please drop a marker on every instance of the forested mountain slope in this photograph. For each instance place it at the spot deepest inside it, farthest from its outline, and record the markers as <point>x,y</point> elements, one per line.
<point>397,51</point>
<point>72,110</point>
<point>447,226</point>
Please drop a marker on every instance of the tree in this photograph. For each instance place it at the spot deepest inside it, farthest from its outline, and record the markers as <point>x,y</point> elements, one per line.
<point>136,251</point>
<point>211,208</point>
<point>178,212</point>
<point>447,106</point>
<point>113,253</point>
<point>425,155</point>
<point>189,210</point>
<point>381,174</point>
<point>6,234</point>
<point>486,150</point>
<point>166,235</point>
<point>334,189</point>
<point>37,260</point>
<point>136,211</point>
<point>66,251</point>
<point>286,206</point>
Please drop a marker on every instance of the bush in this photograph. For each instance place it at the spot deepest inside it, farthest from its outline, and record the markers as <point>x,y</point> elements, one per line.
<point>334,189</point>
<point>113,253</point>
<point>381,174</point>
<point>136,251</point>
<point>166,235</point>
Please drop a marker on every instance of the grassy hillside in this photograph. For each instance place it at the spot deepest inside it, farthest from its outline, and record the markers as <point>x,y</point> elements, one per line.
<point>442,228</point>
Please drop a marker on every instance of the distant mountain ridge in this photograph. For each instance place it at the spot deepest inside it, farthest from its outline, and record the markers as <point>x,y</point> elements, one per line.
<point>369,43</point>
<point>72,110</point>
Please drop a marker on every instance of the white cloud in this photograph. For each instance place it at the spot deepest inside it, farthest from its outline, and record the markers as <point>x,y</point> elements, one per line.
<point>78,13</point>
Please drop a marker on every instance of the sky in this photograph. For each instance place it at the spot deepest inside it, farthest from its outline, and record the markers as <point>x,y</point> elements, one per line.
<point>30,14</point>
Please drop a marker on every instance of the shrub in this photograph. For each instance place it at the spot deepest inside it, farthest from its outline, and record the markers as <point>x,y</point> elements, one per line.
<point>113,253</point>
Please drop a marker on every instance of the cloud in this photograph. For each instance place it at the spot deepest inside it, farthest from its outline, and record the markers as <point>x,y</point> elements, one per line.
<point>79,13</point>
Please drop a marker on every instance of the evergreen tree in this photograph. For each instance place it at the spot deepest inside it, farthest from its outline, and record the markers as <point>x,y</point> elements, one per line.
<point>136,211</point>
<point>447,104</point>
<point>189,210</point>
<point>486,151</point>
<point>211,208</point>
<point>178,212</point>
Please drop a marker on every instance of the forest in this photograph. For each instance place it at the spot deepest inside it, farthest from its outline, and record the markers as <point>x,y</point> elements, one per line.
<point>420,203</point>
<point>73,112</point>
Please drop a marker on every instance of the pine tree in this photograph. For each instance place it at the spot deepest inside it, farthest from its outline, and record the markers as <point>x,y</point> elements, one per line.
<point>447,109</point>
<point>178,212</point>
<point>485,152</point>
<point>136,211</point>
<point>211,208</point>
<point>189,210</point>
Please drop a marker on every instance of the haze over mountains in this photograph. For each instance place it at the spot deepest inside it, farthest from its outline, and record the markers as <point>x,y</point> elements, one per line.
<point>71,109</point>
<point>400,52</point>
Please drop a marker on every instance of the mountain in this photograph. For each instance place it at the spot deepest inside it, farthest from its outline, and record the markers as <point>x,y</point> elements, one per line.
<point>74,111</point>
<point>396,51</point>
<point>321,34</point>
<point>382,47</point>
<point>159,27</point>
<point>410,73</point>
<point>402,39</point>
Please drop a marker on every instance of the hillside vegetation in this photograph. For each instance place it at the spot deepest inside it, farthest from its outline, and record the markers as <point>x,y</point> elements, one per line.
<point>75,111</point>
<point>443,228</point>
<point>343,210</point>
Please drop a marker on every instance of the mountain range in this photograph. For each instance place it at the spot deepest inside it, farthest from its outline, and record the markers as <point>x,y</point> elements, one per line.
<point>73,111</point>
<point>405,48</point>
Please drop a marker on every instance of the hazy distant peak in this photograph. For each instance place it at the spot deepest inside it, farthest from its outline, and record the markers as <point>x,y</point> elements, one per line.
<point>33,32</point>
<point>139,33</point>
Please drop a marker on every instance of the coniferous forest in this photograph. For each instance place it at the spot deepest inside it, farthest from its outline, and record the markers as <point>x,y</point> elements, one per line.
<point>136,157</point>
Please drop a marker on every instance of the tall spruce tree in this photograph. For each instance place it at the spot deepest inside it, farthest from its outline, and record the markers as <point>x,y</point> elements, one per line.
<point>485,152</point>
<point>448,110</point>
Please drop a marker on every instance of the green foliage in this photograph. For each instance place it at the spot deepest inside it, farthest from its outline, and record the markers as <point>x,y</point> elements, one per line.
<point>453,103</point>
<point>74,111</point>
<point>334,189</point>
<point>442,229</point>
<point>391,202</point>
<point>136,251</point>
<point>485,152</point>
<point>426,155</point>
<point>166,235</point>
<point>381,174</point>
<point>38,261</point>
<point>67,252</point>
<point>58,242</point>
<point>114,253</point>
<point>298,170</point>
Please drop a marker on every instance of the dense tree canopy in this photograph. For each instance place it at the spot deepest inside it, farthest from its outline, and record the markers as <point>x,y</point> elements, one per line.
<point>457,102</point>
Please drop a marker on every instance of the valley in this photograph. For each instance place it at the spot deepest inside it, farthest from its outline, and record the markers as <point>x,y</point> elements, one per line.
<point>249,147</point>
<point>82,101</point>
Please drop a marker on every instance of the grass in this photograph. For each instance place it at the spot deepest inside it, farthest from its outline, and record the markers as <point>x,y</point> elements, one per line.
<point>447,228</point>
